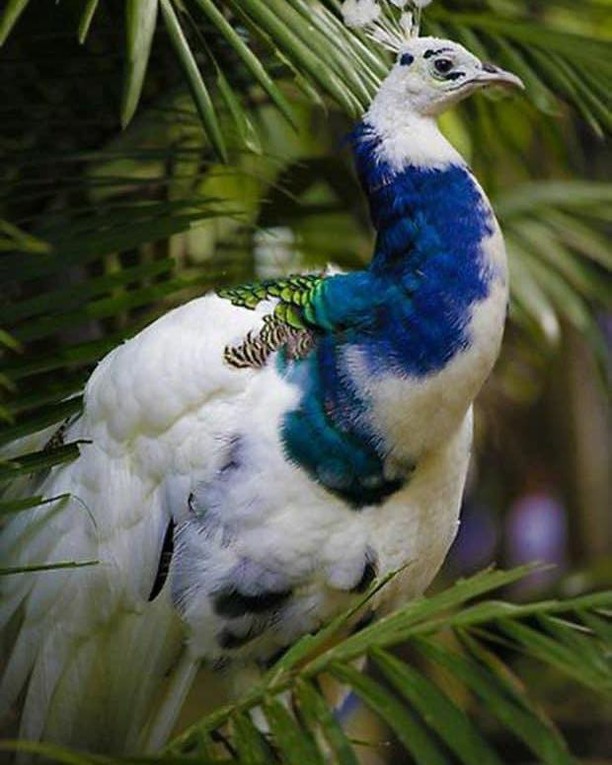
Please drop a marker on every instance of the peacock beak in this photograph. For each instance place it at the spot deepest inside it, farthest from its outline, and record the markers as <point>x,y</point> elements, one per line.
<point>490,74</point>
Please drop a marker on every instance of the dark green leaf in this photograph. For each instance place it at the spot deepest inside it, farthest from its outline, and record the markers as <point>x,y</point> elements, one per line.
<point>297,744</point>
<point>437,710</point>
<point>252,747</point>
<point>299,52</point>
<point>248,58</point>
<point>429,613</point>
<point>494,694</point>
<point>67,297</point>
<point>402,722</point>
<point>49,416</point>
<point>558,654</point>
<point>17,505</point>
<point>316,711</point>
<point>31,463</point>
<point>243,122</point>
<point>581,642</point>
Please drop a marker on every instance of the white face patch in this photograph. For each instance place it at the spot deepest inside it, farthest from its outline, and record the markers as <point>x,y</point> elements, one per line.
<point>434,74</point>
<point>431,75</point>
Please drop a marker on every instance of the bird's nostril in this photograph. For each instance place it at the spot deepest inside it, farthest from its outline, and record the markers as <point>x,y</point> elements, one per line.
<point>487,67</point>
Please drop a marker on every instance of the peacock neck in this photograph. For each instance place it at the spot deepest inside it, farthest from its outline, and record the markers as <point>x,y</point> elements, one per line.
<point>431,220</point>
<point>395,328</point>
<point>423,198</point>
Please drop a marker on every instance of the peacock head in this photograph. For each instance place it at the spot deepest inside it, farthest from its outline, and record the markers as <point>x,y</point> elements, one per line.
<point>431,75</point>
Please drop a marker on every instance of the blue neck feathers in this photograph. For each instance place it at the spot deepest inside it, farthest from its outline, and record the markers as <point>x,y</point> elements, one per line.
<point>408,315</point>
<point>430,225</point>
<point>419,213</point>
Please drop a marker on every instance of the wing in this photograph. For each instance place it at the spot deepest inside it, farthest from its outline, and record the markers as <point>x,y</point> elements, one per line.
<point>85,647</point>
<point>320,302</point>
<point>296,294</point>
<point>290,324</point>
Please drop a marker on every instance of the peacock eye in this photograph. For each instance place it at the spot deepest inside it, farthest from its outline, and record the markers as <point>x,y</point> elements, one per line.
<point>443,65</point>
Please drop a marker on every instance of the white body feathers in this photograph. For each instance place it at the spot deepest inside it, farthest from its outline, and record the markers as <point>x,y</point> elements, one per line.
<point>160,411</point>
<point>172,432</point>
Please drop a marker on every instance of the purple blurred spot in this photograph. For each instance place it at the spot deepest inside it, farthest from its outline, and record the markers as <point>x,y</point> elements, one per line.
<point>536,530</point>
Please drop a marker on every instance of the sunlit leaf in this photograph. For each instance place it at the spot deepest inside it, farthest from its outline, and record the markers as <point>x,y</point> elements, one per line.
<point>140,21</point>
<point>86,19</point>
<point>199,91</point>
<point>12,11</point>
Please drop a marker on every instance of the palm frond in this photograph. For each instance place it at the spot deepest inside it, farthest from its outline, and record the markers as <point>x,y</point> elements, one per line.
<point>140,22</point>
<point>308,43</point>
<point>434,702</point>
<point>427,720</point>
<point>559,258</point>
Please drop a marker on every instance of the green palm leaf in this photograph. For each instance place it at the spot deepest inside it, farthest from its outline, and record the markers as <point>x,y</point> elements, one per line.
<point>424,715</point>
<point>312,43</point>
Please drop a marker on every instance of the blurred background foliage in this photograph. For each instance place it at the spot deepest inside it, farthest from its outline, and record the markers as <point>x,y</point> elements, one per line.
<point>154,150</point>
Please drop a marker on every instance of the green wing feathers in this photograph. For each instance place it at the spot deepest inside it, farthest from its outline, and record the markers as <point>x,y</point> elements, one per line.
<point>288,326</point>
<point>295,293</point>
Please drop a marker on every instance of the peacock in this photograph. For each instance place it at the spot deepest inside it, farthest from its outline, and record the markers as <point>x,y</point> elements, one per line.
<point>255,459</point>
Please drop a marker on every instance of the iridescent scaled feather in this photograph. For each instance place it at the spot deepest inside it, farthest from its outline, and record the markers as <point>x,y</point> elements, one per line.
<point>275,334</point>
<point>294,293</point>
